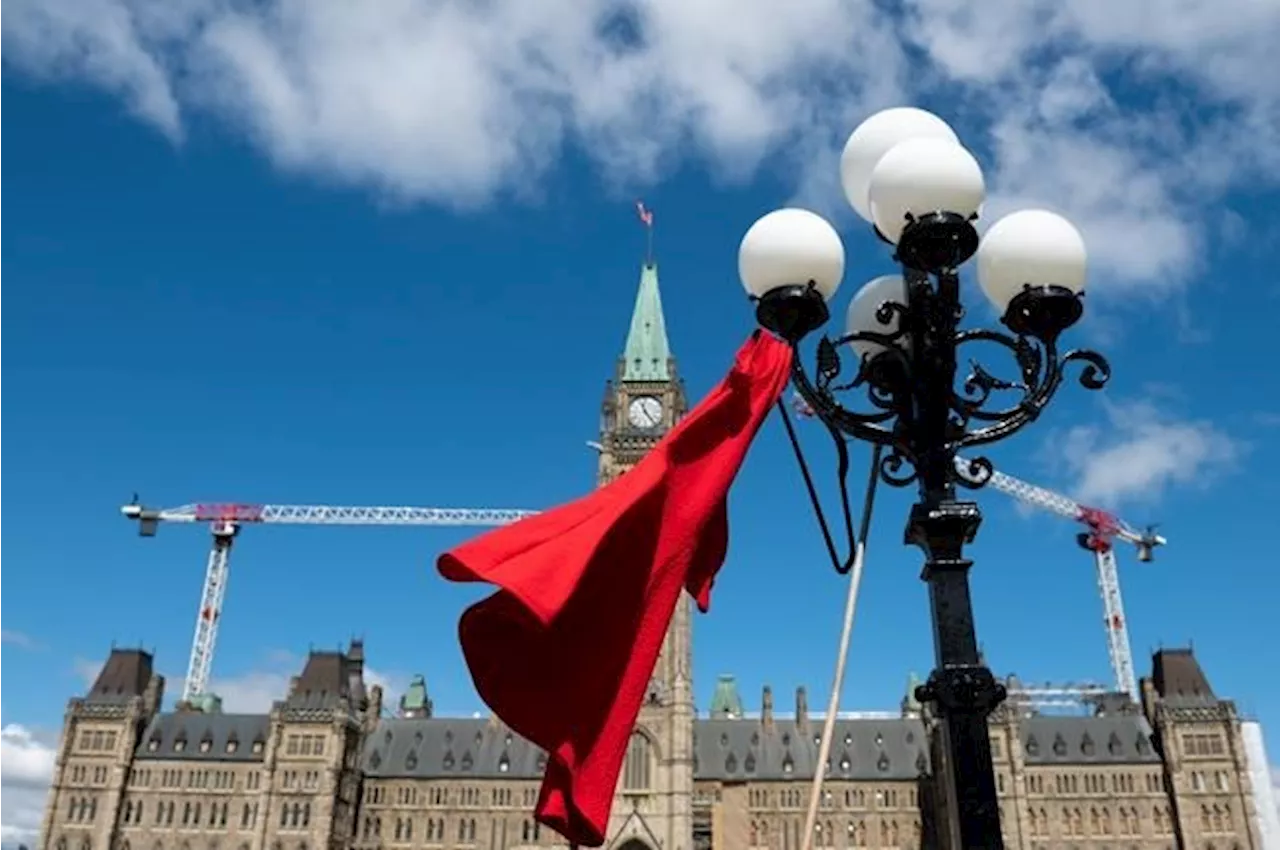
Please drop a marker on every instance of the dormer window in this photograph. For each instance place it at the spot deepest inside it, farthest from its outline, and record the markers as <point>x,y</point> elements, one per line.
<point>179,745</point>
<point>206,745</point>
<point>504,764</point>
<point>787,764</point>
<point>233,745</point>
<point>257,747</point>
<point>153,745</point>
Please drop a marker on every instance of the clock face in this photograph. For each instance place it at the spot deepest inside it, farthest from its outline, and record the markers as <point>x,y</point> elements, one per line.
<point>645,412</point>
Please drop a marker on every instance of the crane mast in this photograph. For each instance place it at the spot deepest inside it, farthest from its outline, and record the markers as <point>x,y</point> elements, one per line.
<point>225,520</point>
<point>1101,530</point>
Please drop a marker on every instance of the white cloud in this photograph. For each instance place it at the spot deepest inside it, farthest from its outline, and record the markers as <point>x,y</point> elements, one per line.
<point>26,768</point>
<point>1140,452</point>
<point>453,102</point>
<point>18,639</point>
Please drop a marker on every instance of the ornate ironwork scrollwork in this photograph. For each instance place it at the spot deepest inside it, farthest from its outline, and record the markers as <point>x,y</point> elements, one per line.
<point>894,392</point>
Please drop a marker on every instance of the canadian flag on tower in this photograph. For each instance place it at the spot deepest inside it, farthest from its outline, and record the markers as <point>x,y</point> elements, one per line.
<point>646,214</point>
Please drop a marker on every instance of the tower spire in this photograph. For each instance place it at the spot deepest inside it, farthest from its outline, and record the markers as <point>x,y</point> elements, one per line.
<point>647,354</point>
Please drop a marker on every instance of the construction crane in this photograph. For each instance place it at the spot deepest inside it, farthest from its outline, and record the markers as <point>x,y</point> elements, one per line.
<point>225,520</point>
<point>1101,530</point>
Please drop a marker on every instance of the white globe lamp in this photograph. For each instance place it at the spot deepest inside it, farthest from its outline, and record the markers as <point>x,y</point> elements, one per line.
<point>1032,266</point>
<point>862,315</point>
<point>791,262</point>
<point>930,190</point>
<point>875,137</point>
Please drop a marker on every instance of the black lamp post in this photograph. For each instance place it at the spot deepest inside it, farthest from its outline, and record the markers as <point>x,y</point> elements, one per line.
<point>905,171</point>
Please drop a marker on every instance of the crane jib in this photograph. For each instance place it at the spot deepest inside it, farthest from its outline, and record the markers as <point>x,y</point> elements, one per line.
<point>229,512</point>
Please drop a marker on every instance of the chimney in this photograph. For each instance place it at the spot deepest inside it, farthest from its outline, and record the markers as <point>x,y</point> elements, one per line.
<point>373,713</point>
<point>766,707</point>
<point>802,709</point>
<point>153,698</point>
<point>355,654</point>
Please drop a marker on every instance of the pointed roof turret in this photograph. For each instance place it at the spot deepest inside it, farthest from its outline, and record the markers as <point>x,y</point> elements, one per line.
<point>415,702</point>
<point>726,702</point>
<point>911,705</point>
<point>647,354</point>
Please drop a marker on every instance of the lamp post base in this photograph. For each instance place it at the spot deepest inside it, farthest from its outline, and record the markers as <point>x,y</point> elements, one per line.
<point>961,689</point>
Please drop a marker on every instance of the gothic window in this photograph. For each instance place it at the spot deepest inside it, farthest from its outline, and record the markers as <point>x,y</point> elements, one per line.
<point>636,770</point>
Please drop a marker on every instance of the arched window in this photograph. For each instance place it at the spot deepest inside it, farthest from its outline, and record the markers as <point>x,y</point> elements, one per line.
<point>636,773</point>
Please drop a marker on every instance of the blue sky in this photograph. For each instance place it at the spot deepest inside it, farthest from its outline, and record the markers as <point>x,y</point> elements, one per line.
<point>218,291</point>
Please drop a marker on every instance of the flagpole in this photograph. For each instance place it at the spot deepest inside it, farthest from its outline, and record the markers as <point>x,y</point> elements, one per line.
<point>646,218</point>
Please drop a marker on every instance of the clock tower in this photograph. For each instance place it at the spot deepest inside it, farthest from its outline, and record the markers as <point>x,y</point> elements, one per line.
<point>645,398</point>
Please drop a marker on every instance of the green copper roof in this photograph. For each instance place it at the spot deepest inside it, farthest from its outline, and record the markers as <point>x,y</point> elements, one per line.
<point>726,701</point>
<point>415,702</point>
<point>909,700</point>
<point>645,357</point>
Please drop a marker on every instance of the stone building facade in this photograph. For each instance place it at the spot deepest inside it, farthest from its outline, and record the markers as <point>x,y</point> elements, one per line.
<point>327,769</point>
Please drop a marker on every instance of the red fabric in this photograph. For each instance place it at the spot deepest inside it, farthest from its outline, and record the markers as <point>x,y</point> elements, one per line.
<point>564,650</point>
